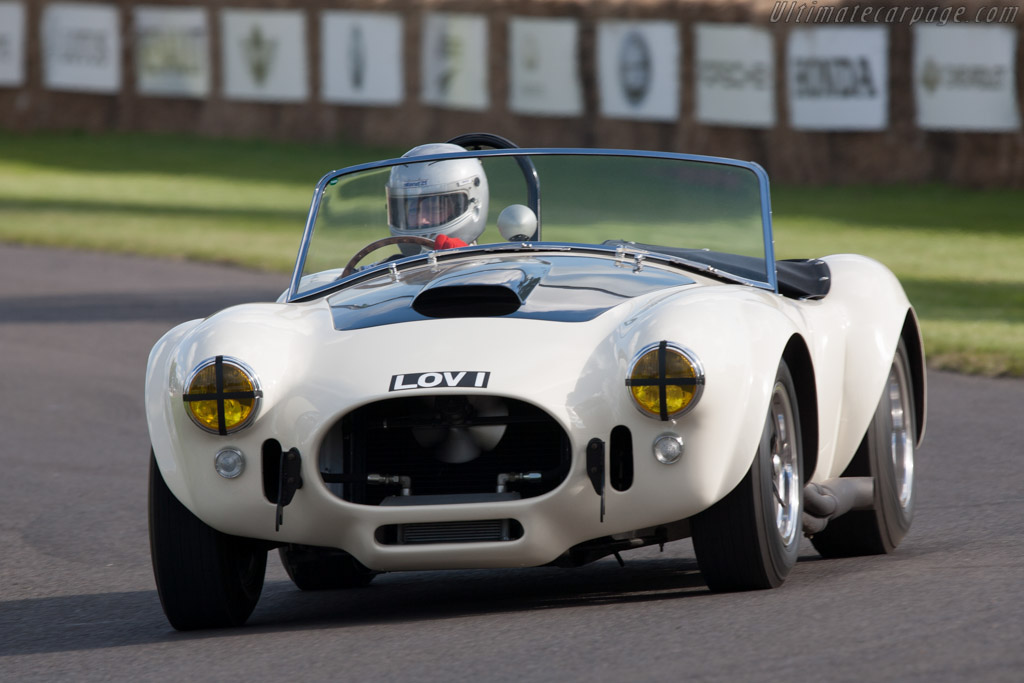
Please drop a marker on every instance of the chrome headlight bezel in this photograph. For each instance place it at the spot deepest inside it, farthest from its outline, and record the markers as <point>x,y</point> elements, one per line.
<point>256,395</point>
<point>697,382</point>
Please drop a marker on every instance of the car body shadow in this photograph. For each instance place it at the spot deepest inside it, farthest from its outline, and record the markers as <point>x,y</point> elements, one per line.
<point>106,620</point>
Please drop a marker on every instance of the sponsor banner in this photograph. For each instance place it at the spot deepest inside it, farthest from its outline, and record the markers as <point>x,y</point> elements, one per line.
<point>81,47</point>
<point>837,78</point>
<point>12,44</point>
<point>454,61</point>
<point>965,78</point>
<point>638,70</point>
<point>361,58</point>
<point>544,74</point>
<point>172,51</point>
<point>735,75</point>
<point>264,55</point>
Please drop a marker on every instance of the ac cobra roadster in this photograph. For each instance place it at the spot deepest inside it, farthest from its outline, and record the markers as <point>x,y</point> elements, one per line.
<point>491,356</point>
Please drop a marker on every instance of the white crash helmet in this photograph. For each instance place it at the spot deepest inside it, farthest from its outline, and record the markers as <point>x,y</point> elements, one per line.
<point>434,198</point>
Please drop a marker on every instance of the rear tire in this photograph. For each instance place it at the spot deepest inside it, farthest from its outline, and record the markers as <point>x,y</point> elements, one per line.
<point>205,579</point>
<point>749,540</point>
<point>887,455</point>
<point>319,569</point>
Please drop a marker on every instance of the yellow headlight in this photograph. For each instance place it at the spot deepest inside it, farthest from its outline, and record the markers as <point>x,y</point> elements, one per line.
<point>665,380</point>
<point>222,395</point>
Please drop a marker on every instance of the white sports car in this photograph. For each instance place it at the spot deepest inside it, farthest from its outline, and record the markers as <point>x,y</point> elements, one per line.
<point>559,355</point>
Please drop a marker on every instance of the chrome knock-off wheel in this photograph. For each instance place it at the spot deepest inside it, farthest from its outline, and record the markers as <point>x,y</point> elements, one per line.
<point>886,454</point>
<point>785,466</point>
<point>750,539</point>
<point>901,442</point>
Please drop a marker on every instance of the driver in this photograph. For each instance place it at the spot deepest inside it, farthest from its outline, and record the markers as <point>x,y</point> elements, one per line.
<point>445,201</point>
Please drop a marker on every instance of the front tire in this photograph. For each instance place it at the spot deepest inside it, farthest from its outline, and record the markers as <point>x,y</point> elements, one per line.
<point>749,540</point>
<point>205,579</point>
<point>319,569</point>
<point>887,455</point>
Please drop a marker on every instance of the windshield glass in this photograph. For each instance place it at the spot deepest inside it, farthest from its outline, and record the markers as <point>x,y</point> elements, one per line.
<point>710,212</point>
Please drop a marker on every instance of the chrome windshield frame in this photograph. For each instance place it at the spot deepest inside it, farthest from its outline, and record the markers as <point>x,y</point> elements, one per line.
<point>324,182</point>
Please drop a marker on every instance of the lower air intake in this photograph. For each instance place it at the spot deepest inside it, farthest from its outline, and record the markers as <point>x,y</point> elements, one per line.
<point>479,531</point>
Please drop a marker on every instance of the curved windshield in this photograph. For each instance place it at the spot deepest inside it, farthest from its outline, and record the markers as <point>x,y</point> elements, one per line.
<point>711,212</point>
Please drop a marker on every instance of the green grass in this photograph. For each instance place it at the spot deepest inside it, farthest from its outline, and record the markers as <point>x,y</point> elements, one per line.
<point>221,200</point>
<point>958,252</point>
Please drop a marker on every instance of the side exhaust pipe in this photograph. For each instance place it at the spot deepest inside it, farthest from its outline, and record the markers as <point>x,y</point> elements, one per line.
<point>830,499</point>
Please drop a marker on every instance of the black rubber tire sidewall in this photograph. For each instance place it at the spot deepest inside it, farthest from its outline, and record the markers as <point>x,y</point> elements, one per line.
<point>313,570</point>
<point>736,540</point>
<point>205,579</point>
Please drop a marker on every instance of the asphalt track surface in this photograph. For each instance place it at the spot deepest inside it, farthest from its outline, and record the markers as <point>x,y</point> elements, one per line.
<point>77,599</point>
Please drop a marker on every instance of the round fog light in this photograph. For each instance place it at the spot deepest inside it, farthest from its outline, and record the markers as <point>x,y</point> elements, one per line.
<point>668,448</point>
<point>229,463</point>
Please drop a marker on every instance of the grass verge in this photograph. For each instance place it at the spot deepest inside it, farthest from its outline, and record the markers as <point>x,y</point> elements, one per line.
<point>958,252</point>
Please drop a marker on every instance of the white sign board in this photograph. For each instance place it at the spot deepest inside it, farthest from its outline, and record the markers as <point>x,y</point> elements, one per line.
<point>638,70</point>
<point>735,75</point>
<point>837,78</point>
<point>361,58</point>
<point>81,47</point>
<point>965,77</point>
<point>544,74</point>
<point>454,61</point>
<point>264,55</point>
<point>172,51</point>
<point>12,44</point>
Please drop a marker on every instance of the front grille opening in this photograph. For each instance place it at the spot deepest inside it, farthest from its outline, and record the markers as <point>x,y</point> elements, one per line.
<point>450,445</point>
<point>476,531</point>
<point>620,458</point>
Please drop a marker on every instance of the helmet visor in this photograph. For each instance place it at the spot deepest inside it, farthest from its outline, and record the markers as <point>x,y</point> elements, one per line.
<point>423,212</point>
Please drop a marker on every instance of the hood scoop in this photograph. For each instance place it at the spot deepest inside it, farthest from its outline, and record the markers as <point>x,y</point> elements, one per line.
<point>485,293</point>
<point>467,301</point>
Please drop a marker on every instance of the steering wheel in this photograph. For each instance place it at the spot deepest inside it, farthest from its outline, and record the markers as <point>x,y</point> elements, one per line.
<point>377,244</point>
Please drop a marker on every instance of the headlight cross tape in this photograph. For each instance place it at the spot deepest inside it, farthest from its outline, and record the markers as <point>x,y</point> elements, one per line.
<point>662,382</point>
<point>220,395</point>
